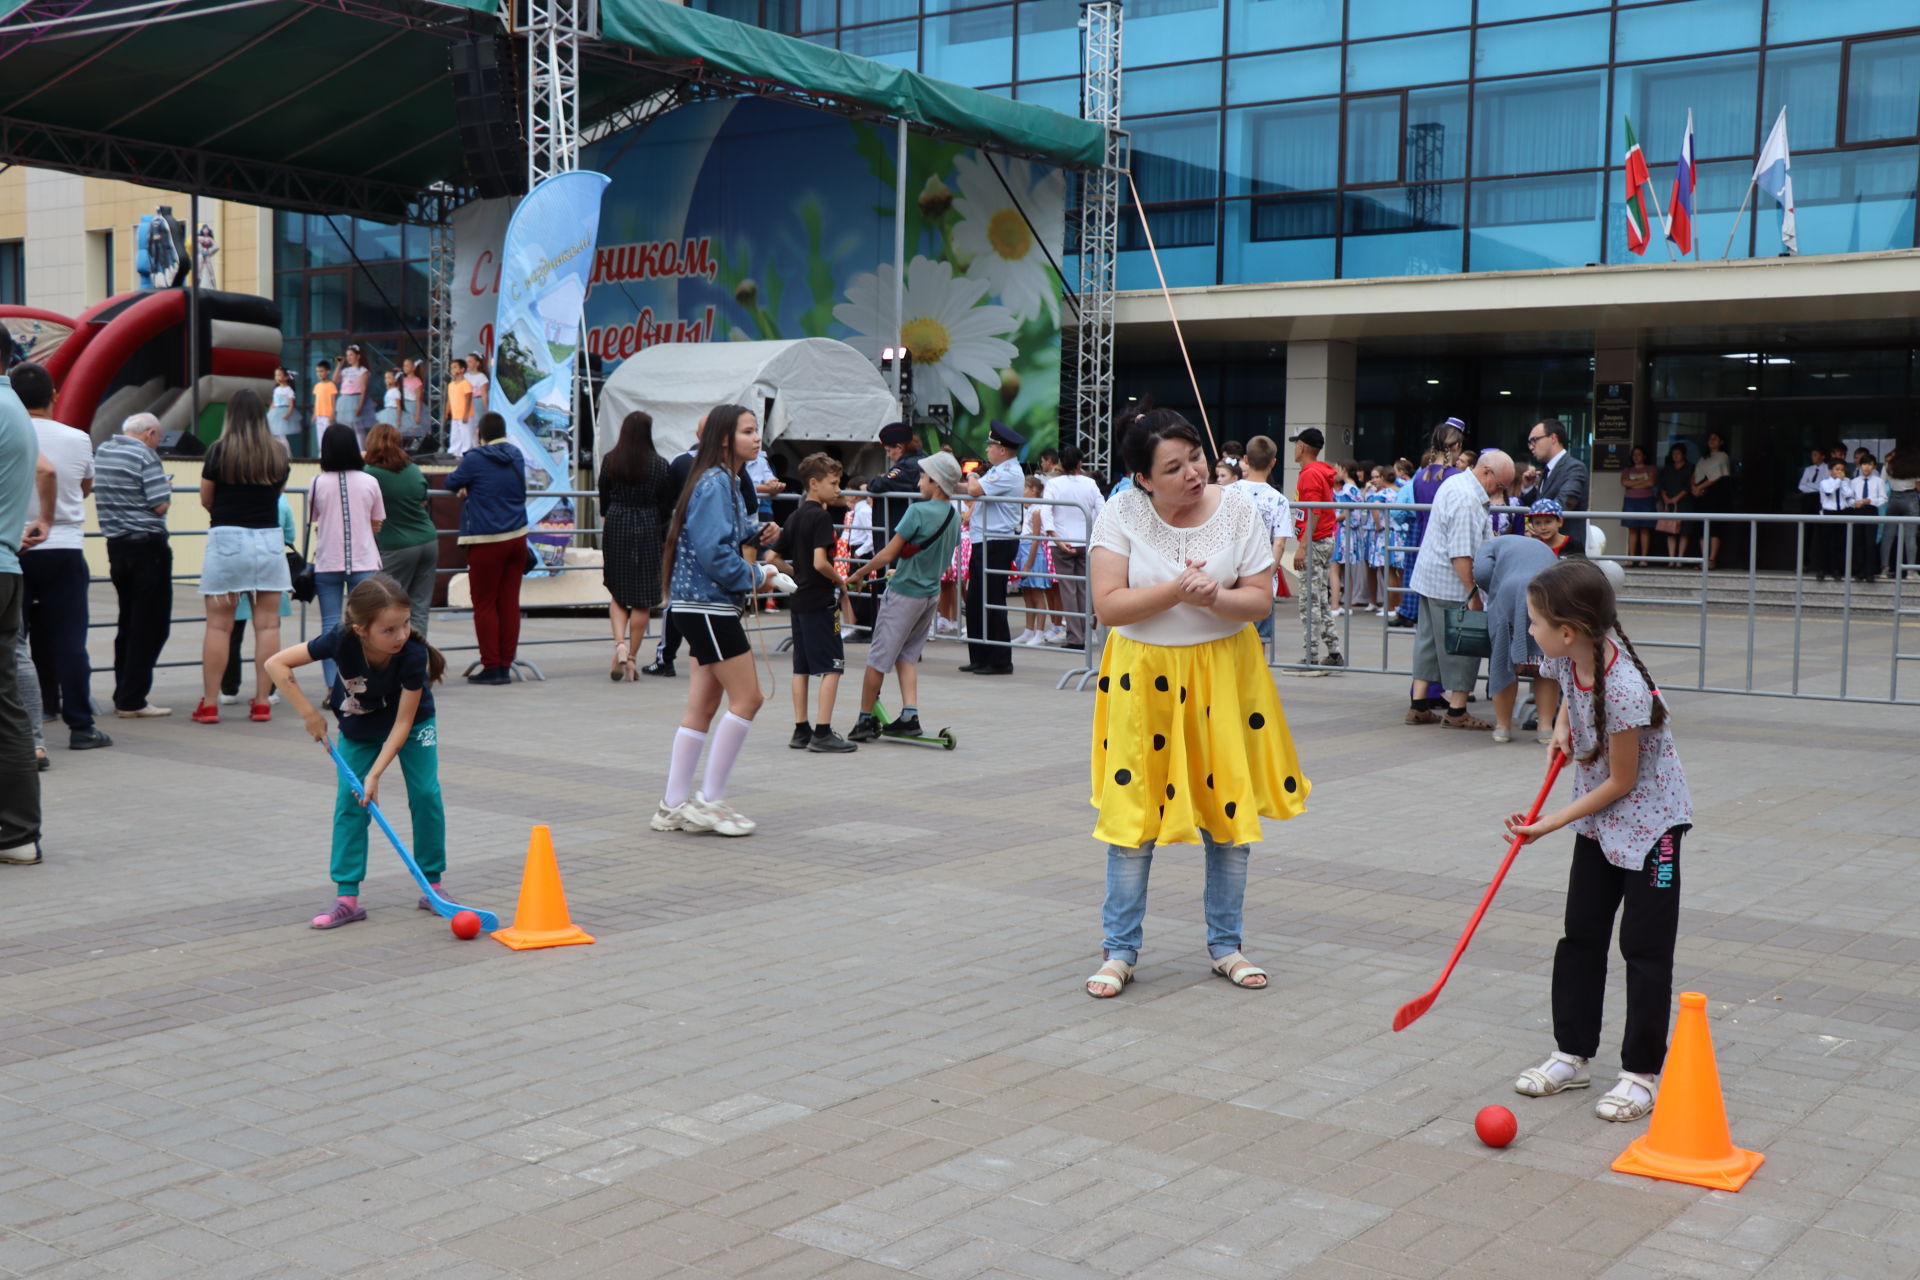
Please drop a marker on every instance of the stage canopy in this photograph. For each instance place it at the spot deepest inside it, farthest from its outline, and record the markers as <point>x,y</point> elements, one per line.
<point>348,105</point>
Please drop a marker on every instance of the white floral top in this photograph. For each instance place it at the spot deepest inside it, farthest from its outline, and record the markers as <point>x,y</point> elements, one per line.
<point>1629,827</point>
<point>1233,543</point>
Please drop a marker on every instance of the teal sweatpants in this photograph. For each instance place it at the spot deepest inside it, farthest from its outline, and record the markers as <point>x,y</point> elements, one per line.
<point>419,762</point>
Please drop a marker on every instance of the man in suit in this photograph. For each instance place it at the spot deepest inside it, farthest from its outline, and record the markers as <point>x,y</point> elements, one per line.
<point>1563,478</point>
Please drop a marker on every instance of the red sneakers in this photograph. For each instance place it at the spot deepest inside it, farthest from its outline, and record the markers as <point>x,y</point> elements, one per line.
<point>206,713</point>
<point>260,712</point>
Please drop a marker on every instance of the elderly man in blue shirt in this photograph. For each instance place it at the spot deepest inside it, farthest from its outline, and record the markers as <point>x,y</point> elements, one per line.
<point>994,535</point>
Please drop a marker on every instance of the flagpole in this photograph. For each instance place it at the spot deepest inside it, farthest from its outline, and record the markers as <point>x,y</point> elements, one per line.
<point>1665,226</point>
<point>1736,222</point>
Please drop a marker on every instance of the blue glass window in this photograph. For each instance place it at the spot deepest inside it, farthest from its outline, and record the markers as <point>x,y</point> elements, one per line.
<point>1529,47</point>
<point>1176,158</point>
<point>1281,24</point>
<point>1062,95</point>
<point>1389,64</point>
<point>817,15</point>
<point>974,47</point>
<point>1509,10</point>
<point>1397,17</point>
<point>1658,95</point>
<point>1540,124</point>
<point>1283,75</point>
<point>1811,19</point>
<point>1883,89</point>
<point>1846,202</point>
<point>854,12</point>
<point>1294,147</point>
<point>1169,31</point>
<point>1281,238</point>
<point>1527,223</point>
<point>1404,231</point>
<point>1806,82</point>
<point>1049,39</point>
<point>1437,134</point>
<point>1696,26</point>
<point>892,42</point>
<point>1373,139</point>
<point>1181,88</point>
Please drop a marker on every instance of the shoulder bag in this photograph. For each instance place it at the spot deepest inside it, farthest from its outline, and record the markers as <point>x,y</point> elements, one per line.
<point>1466,634</point>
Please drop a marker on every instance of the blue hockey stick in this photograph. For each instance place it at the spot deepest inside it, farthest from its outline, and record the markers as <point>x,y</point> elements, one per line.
<point>444,908</point>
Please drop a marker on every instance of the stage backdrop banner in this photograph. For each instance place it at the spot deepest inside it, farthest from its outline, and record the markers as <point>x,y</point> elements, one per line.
<point>544,265</point>
<point>746,219</point>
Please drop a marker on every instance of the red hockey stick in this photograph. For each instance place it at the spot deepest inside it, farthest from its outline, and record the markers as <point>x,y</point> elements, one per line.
<point>1414,1008</point>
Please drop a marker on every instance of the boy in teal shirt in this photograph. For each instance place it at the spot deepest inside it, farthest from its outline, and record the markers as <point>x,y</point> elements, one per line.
<point>922,544</point>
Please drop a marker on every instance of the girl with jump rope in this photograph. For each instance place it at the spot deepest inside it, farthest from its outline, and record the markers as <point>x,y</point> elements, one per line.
<point>383,701</point>
<point>708,579</point>
<point>1630,807</point>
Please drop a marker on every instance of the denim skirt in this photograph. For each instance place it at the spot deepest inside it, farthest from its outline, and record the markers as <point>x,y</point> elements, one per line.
<point>243,560</point>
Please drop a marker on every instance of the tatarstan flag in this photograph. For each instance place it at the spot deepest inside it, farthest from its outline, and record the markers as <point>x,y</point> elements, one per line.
<point>1637,178</point>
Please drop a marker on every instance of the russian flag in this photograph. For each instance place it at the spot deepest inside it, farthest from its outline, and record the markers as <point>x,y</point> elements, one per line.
<point>1680,208</point>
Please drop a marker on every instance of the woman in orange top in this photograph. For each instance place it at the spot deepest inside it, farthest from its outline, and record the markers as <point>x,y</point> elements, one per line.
<point>460,437</point>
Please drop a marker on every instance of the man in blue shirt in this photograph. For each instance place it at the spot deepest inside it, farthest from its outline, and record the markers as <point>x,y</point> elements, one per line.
<point>994,534</point>
<point>22,473</point>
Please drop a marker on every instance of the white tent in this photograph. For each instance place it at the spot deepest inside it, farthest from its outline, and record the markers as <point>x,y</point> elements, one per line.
<point>803,389</point>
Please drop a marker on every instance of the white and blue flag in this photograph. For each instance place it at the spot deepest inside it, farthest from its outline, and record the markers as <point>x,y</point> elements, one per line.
<point>1774,175</point>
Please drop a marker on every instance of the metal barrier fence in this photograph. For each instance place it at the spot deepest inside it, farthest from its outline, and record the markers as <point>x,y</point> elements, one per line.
<point>1823,658</point>
<point>586,500</point>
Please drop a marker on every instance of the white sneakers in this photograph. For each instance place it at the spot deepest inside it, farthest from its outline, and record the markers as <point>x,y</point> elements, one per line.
<point>700,814</point>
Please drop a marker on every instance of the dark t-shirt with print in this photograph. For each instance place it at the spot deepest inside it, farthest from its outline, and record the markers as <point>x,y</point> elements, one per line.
<point>366,699</point>
<point>807,528</point>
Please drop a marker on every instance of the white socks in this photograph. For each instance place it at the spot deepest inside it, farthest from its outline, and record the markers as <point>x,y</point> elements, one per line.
<point>727,741</point>
<point>686,754</point>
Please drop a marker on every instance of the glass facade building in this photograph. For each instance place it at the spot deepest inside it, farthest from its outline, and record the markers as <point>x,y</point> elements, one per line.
<point>341,280</point>
<point>1280,140</point>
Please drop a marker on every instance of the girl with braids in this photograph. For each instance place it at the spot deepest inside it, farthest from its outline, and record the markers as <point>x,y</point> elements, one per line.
<point>708,583</point>
<point>1630,807</point>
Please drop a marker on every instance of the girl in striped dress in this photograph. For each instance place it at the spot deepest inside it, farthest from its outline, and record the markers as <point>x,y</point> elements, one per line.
<point>1349,556</point>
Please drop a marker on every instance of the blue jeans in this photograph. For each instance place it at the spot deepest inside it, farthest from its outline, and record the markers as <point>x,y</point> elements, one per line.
<point>1125,910</point>
<point>332,592</point>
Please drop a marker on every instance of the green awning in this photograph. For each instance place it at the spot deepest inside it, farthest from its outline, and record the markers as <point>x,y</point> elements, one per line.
<point>347,106</point>
<point>665,29</point>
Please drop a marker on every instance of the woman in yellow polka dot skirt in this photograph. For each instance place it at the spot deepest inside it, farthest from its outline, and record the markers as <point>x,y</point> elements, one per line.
<point>1189,743</point>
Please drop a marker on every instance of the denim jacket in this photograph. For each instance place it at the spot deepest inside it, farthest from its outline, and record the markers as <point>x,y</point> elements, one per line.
<point>707,565</point>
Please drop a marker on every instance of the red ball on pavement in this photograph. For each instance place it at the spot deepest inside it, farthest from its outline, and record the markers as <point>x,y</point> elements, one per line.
<point>467,925</point>
<point>1496,1126</point>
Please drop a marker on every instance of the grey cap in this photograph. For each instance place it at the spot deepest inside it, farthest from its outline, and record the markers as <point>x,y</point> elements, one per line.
<point>943,469</point>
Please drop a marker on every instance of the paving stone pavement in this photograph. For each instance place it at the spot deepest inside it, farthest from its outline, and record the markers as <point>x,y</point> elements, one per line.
<point>855,1044</point>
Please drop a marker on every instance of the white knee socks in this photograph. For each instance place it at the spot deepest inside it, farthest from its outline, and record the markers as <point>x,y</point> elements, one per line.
<point>727,741</point>
<point>686,754</point>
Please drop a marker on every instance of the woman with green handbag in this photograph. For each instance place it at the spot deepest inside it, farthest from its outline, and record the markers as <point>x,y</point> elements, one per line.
<point>1502,569</point>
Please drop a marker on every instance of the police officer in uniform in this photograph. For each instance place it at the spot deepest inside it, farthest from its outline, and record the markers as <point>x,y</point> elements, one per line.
<point>902,476</point>
<point>995,537</point>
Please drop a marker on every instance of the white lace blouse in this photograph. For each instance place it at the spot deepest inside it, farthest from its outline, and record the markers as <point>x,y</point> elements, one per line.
<point>1233,543</point>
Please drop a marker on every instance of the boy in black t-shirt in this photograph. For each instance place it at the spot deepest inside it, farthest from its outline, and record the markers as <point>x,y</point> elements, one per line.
<point>806,545</point>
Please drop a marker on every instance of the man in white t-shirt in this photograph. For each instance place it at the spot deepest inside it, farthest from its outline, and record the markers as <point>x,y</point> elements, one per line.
<point>1077,503</point>
<point>1257,487</point>
<point>55,572</point>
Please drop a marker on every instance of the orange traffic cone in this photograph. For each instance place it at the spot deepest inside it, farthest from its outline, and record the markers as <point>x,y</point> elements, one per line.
<point>541,920</point>
<point>1688,1140</point>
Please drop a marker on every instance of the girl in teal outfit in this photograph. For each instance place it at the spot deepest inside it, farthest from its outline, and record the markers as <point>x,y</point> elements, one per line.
<point>382,697</point>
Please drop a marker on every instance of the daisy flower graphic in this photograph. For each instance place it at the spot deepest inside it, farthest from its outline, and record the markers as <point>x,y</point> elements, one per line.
<point>955,342</point>
<point>996,239</point>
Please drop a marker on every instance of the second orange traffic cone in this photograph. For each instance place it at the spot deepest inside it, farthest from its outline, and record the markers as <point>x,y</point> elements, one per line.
<point>541,920</point>
<point>1688,1140</point>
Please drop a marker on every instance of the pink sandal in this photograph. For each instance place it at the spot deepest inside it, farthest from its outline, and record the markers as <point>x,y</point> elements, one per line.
<point>345,911</point>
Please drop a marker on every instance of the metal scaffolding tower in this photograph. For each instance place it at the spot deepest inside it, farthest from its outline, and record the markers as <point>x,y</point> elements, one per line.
<point>440,352</point>
<point>1098,219</point>
<point>554,32</point>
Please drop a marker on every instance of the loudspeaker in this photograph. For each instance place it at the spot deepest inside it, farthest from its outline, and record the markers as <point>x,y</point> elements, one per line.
<point>486,104</point>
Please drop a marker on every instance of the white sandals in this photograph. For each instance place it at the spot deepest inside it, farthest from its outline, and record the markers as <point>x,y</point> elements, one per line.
<point>1113,975</point>
<point>1630,1098</point>
<point>1236,969</point>
<point>1561,1071</point>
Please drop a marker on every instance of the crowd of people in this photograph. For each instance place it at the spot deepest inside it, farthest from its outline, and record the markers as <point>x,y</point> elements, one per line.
<point>1189,743</point>
<point>1833,485</point>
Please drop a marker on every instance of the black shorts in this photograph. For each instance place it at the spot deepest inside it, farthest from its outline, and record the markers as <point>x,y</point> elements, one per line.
<point>817,650</point>
<point>710,637</point>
